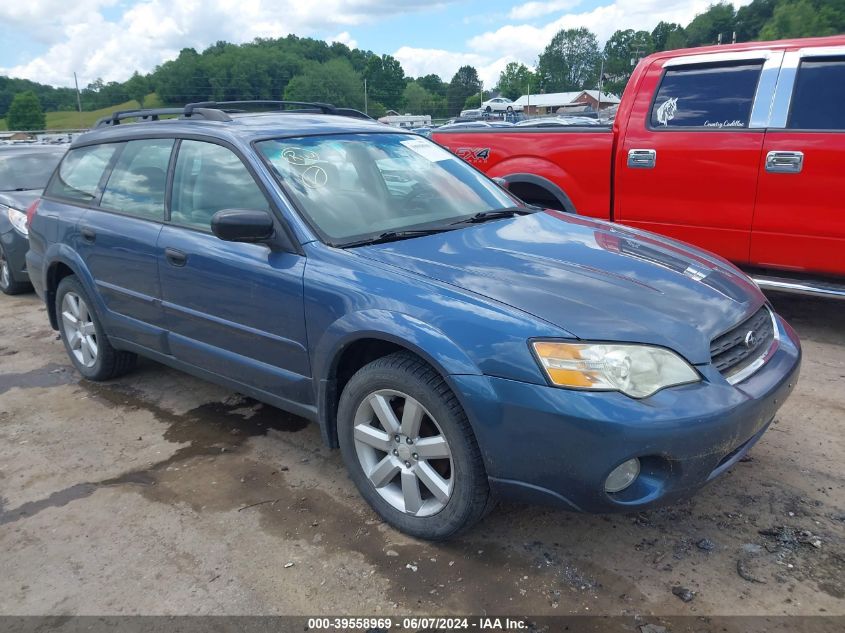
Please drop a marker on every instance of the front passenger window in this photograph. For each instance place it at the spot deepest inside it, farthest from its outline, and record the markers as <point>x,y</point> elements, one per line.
<point>208,179</point>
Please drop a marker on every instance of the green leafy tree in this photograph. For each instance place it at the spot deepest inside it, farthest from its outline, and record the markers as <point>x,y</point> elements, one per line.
<point>334,82</point>
<point>620,50</point>
<point>797,19</point>
<point>570,61</point>
<point>515,80</point>
<point>385,80</point>
<point>705,28</point>
<point>25,113</point>
<point>751,18</point>
<point>137,88</point>
<point>434,84</point>
<point>418,100</point>
<point>464,84</point>
<point>667,36</point>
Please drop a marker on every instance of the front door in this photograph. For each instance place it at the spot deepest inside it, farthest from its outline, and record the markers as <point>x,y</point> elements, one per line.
<point>799,221</point>
<point>233,309</point>
<point>690,156</point>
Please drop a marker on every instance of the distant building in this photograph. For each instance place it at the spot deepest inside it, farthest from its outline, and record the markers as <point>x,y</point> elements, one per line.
<point>554,101</point>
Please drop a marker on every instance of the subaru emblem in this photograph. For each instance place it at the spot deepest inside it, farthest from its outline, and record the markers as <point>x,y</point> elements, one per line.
<point>750,339</point>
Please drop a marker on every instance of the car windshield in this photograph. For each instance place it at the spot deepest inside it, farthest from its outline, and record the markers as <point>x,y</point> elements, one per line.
<point>352,187</point>
<point>22,170</point>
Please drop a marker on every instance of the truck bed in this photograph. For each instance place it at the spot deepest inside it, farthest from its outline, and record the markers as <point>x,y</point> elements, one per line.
<point>577,158</point>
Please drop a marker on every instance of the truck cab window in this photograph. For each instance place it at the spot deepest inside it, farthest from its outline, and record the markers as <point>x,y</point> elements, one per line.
<point>819,94</point>
<point>707,96</point>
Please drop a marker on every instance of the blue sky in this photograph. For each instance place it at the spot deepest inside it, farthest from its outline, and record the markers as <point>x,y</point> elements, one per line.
<point>47,40</point>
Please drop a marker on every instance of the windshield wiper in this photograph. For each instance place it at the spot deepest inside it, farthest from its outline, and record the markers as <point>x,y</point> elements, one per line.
<point>393,236</point>
<point>495,214</point>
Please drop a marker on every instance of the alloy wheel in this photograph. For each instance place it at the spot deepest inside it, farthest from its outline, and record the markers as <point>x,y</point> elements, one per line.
<point>5,273</point>
<point>404,453</point>
<point>79,329</point>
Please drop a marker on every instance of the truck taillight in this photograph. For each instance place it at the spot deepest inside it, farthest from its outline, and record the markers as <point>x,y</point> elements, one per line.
<point>31,211</point>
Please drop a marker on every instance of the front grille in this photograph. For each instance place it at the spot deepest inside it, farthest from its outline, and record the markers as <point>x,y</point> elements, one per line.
<point>731,352</point>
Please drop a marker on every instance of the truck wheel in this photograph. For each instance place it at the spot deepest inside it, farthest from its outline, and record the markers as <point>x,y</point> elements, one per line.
<point>85,341</point>
<point>409,448</point>
<point>7,283</point>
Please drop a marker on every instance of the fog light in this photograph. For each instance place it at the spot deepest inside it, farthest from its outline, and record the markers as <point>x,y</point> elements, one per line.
<point>622,476</point>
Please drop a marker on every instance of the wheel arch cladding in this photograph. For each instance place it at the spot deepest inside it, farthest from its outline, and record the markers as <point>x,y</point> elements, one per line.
<point>360,338</point>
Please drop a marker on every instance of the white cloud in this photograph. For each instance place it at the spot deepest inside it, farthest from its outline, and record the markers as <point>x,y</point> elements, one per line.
<point>423,61</point>
<point>531,10</point>
<point>343,38</point>
<point>525,42</point>
<point>80,39</point>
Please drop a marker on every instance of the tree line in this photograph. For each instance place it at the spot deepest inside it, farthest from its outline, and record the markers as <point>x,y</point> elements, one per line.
<point>306,69</point>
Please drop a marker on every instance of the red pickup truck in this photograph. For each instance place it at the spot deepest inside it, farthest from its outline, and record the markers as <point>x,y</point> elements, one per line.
<point>739,149</point>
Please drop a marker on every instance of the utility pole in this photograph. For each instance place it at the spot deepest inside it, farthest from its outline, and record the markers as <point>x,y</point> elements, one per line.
<point>480,94</point>
<point>365,96</point>
<point>78,99</point>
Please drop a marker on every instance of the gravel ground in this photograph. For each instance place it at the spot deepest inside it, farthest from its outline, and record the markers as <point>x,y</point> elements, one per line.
<point>162,494</point>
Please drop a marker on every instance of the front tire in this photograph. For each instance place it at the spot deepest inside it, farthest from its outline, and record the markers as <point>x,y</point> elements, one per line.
<point>8,285</point>
<point>430,482</point>
<point>85,341</point>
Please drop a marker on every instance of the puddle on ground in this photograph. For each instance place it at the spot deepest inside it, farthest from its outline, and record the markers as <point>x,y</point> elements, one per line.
<point>50,375</point>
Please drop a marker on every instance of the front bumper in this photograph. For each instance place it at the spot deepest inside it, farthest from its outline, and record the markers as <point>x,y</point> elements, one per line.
<point>15,247</point>
<point>548,445</point>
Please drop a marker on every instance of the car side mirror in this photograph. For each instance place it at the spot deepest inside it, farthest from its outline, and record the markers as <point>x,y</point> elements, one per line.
<point>243,225</point>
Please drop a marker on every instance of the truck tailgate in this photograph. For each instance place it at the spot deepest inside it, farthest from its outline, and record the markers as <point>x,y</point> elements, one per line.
<point>577,160</point>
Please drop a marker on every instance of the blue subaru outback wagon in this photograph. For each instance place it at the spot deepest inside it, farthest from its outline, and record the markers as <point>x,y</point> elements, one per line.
<point>457,345</point>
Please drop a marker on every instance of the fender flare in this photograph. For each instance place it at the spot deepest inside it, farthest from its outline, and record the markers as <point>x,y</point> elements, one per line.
<point>398,328</point>
<point>533,179</point>
<point>63,254</point>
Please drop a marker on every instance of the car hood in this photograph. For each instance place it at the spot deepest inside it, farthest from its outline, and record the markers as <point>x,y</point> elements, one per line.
<point>20,200</point>
<point>596,280</point>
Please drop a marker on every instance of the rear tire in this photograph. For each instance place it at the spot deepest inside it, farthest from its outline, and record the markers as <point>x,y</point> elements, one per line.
<point>85,341</point>
<point>8,285</point>
<point>430,483</point>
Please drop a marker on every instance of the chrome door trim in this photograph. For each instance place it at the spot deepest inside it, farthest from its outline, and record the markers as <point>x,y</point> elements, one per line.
<point>764,97</point>
<point>784,162</point>
<point>642,158</point>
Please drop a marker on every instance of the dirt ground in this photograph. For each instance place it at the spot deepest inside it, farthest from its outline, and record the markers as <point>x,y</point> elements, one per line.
<point>162,494</point>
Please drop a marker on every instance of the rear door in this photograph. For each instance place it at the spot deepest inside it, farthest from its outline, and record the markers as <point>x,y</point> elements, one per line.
<point>799,221</point>
<point>691,152</point>
<point>233,309</point>
<point>118,241</point>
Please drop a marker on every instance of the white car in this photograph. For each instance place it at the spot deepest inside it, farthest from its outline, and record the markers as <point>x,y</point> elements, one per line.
<point>500,104</point>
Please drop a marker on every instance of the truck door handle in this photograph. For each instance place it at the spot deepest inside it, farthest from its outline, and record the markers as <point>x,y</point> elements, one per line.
<point>88,234</point>
<point>785,162</point>
<point>176,258</point>
<point>642,158</point>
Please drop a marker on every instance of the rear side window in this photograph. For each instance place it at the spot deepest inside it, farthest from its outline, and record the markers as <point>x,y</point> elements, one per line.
<point>137,182</point>
<point>818,102</point>
<point>711,96</point>
<point>208,179</point>
<point>79,174</point>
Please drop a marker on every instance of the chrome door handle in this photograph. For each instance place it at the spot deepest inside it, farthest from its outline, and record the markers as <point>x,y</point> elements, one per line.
<point>642,158</point>
<point>785,162</point>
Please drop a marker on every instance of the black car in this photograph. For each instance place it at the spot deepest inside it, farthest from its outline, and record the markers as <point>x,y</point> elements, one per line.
<point>24,170</point>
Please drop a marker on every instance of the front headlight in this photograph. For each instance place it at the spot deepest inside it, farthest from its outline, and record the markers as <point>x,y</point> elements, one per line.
<point>635,370</point>
<point>18,220</point>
